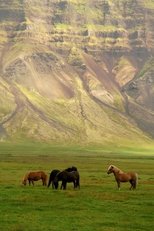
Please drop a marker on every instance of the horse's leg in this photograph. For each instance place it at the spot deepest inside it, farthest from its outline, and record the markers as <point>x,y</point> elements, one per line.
<point>118,183</point>
<point>63,185</point>
<point>29,182</point>
<point>53,186</point>
<point>78,183</point>
<point>75,184</point>
<point>132,182</point>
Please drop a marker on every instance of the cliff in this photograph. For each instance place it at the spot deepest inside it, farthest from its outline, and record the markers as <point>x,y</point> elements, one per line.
<point>77,71</point>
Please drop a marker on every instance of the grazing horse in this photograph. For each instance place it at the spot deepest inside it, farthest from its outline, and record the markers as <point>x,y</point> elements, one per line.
<point>35,176</point>
<point>67,177</point>
<point>121,176</point>
<point>52,177</point>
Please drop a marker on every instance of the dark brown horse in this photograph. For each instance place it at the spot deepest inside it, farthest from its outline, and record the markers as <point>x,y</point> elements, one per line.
<point>71,169</point>
<point>35,176</point>
<point>54,173</point>
<point>121,176</point>
<point>67,177</point>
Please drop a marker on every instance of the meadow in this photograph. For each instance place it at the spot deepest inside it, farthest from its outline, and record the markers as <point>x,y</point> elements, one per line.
<point>97,206</point>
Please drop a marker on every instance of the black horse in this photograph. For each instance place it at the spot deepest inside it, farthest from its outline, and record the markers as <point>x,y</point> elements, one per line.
<point>52,177</point>
<point>55,172</point>
<point>71,169</point>
<point>66,177</point>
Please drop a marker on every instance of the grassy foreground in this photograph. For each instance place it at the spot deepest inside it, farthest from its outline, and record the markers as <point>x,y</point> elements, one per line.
<point>98,205</point>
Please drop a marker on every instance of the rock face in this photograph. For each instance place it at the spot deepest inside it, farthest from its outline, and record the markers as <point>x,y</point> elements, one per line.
<point>77,71</point>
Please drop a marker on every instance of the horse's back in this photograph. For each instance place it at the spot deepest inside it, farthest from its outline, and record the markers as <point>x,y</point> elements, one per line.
<point>54,173</point>
<point>133,175</point>
<point>71,169</point>
<point>34,175</point>
<point>65,175</point>
<point>37,175</point>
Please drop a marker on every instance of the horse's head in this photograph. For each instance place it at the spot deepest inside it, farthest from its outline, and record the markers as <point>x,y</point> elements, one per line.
<point>25,178</point>
<point>24,182</point>
<point>71,169</point>
<point>74,168</point>
<point>110,169</point>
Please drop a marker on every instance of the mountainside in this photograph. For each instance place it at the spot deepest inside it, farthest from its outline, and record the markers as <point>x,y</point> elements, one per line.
<point>77,71</point>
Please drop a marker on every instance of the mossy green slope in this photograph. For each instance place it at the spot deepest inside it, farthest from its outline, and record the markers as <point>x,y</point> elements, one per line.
<point>67,67</point>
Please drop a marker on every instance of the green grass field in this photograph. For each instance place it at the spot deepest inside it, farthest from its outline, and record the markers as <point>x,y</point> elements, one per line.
<point>97,206</point>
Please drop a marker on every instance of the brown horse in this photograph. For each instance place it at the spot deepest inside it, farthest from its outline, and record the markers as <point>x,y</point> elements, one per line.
<point>121,176</point>
<point>35,176</point>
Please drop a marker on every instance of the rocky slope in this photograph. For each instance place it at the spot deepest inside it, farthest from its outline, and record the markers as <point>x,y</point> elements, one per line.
<point>77,71</point>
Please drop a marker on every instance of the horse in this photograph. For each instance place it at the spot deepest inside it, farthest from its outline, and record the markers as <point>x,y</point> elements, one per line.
<point>67,177</point>
<point>55,172</point>
<point>52,177</point>
<point>71,169</point>
<point>121,176</point>
<point>35,176</point>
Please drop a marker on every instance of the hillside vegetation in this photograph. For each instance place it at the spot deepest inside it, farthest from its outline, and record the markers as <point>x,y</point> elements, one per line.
<point>77,71</point>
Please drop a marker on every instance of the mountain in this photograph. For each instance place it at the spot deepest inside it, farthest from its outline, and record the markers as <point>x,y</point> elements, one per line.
<point>77,71</point>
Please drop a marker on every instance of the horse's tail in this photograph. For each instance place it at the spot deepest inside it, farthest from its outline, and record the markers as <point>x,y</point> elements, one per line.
<point>49,181</point>
<point>78,181</point>
<point>136,180</point>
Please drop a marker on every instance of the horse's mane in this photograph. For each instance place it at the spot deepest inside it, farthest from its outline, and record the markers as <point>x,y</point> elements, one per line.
<point>71,169</point>
<point>117,169</point>
<point>26,176</point>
